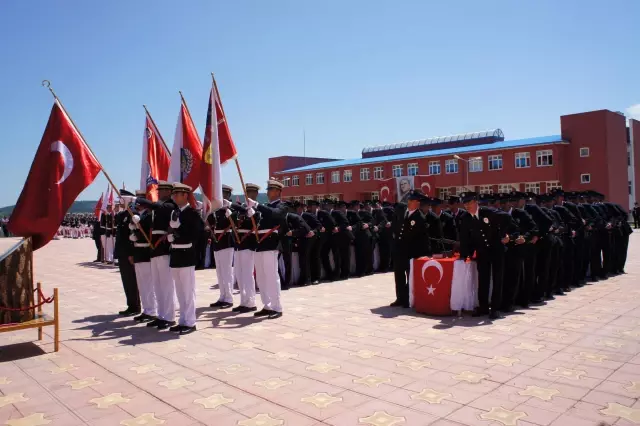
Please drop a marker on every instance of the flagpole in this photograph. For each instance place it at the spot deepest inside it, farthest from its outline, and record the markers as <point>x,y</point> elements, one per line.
<point>47,84</point>
<point>244,189</point>
<point>158,130</point>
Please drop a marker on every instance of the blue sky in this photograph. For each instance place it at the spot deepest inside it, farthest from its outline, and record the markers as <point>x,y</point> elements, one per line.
<point>351,73</point>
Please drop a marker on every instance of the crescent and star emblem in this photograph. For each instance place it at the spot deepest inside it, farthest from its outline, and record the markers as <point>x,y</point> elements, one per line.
<point>149,133</point>
<point>428,187</point>
<point>384,188</point>
<point>435,264</point>
<point>67,159</point>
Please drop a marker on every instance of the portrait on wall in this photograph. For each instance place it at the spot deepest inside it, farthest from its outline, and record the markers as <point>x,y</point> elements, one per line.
<point>404,185</point>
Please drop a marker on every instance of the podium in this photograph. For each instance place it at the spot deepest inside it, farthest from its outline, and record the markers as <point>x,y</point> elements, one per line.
<point>430,285</point>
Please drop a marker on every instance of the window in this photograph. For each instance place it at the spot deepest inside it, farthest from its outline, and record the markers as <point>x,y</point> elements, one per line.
<point>334,197</point>
<point>585,178</point>
<point>378,173</point>
<point>584,152</point>
<point>397,170</point>
<point>544,158</point>
<point>308,180</point>
<point>460,189</point>
<point>451,166</point>
<point>286,182</point>
<point>375,196</point>
<point>295,181</point>
<point>319,197</point>
<point>364,174</point>
<point>553,185</point>
<point>505,188</point>
<point>475,164</point>
<point>434,167</point>
<point>346,176</point>
<point>306,198</point>
<point>523,160</point>
<point>335,177</point>
<point>532,187</point>
<point>495,162</point>
<point>319,178</point>
<point>486,189</point>
<point>412,169</point>
<point>443,193</point>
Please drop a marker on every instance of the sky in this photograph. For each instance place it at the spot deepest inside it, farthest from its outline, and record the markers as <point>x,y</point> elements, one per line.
<point>348,74</point>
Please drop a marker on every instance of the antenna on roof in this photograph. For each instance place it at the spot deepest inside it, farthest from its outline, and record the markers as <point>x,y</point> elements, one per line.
<point>304,146</point>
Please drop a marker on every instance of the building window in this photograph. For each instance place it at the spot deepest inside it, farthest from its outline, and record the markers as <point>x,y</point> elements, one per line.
<point>585,178</point>
<point>335,177</point>
<point>553,185</point>
<point>495,162</point>
<point>319,178</point>
<point>306,198</point>
<point>308,179</point>
<point>630,188</point>
<point>334,197</point>
<point>523,160</point>
<point>346,176</point>
<point>532,187</point>
<point>584,152</point>
<point>364,173</point>
<point>544,158</point>
<point>434,167</point>
<point>295,181</point>
<point>451,166</point>
<point>461,189</point>
<point>486,189</point>
<point>412,169</point>
<point>443,193</point>
<point>397,170</point>
<point>475,164</point>
<point>286,182</point>
<point>319,197</point>
<point>375,196</point>
<point>378,173</point>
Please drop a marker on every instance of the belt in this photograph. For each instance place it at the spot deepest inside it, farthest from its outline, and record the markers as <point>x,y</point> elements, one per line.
<point>244,231</point>
<point>221,231</point>
<point>181,246</point>
<point>267,231</point>
<point>103,227</point>
<point>141,244</point>
<point>158,232</point>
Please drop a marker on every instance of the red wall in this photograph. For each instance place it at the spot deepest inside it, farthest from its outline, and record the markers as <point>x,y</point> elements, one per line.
<point>286,162</point>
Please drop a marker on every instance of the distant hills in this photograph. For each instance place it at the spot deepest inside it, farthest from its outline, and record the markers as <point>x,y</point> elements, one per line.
<point>88,206</point>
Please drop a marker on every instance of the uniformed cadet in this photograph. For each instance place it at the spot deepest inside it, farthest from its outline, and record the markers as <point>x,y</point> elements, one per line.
<point>124,251</point>
<point>244,263</point>
<point>222,222</point>
<point>107,226</point>
<point>328,241</point>
<point>142,221</point>
<point>185,227</point>
<point>427,204</point>
<point>383,217</point>
<point>272,222</point>
<point>544,247</point>
<point>313,251</point>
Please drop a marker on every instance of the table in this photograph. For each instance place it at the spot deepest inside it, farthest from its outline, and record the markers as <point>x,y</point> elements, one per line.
<point>430,285</point>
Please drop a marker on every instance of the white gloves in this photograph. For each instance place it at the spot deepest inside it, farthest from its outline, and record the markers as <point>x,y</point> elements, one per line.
<point>135,218</point>
<point>365,226</point>
<point>251,203</point>
<point>132,226</point>
<point>226,203</point>
<point>250,213</point>
<point>175,224</point>
<point>227,213</point>
<point>170,238</point>
<point>133,238</point>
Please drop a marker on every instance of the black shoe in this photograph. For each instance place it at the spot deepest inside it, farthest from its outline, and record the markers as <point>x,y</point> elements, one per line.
<point>147,318</point>
<point>129,312</point>
<point>244,309</point>
<point>396,304</point>
<point>156,322</point>
<point>566,289</point>
<point>166,324</point>
<point>494,315</point>
<point>559,293</point>
<point>406,305</point>
<point>286,287</point>
<point>524,306</point>
<point>187,330</point>
<point>479,312</point>
<point>507,308</point>
<point>315,282</point>
<point>176,328</point>
<point>274,315</point>
<point>263,313</point>
<point>221,305</point>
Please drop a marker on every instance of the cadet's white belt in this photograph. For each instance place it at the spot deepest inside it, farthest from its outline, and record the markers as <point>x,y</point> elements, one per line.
<point>266,231</point>
<point>103,227</point>
<point>244,231</point>
<point>221,231</point>
<point>158,232</point>
<point>181,246</point>
<point>141,244</point>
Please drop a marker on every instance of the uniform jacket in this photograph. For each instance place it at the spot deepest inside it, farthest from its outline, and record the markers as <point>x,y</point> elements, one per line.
<point>526,225</point>
<point>342,222</point>
<point>411,237</point>
<point>183,251</point>
<point>141,249</point>
<point>222,231</point>
<point>544,223</point>
<point>123,245</point>
<point>272,225</point>
<point>161,215</point>
<point>448,226</point>
<point>244,225</point>
<point>483,235</point>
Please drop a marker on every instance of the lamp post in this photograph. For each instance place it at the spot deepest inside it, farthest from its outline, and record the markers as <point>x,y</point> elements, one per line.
<point>466,168</point>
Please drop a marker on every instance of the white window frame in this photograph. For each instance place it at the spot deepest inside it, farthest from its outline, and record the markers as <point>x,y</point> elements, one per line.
<point>319,197</point>
<point>587,176</point>
<point>505,188</point>
<point>308,179</point>
<point>378,173</point>
<point>485,189</point>
<point>495,157</point>
<point>585,152</point>
<point>364,174</point>
<point>295,180</point>
<point>286,182</point>
<point>444,193</point>
<point>306,198</point>
<point>461,189</point>
<point>551,185</point>
<point>532,187</point>
<point>396,170</point>
<point>548,153</point>
<point>335,176</point>
<point>320,178</point>
<point>334,197</point>
<point>475,165</point>
<point>375,196</point>
<point>527,160</point>
<point>433,165</point>
<point>451,170</point>
<point>412,169</point>
<point>347,176</point>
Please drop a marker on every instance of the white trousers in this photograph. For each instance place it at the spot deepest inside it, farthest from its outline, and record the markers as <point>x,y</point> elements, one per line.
<point>244,266</point>
<point>107,247</point>
<point>145,288</point>
<point>164,287</point>
<point>224,272</point>
<point>267,275</point>
<point>185,279</point>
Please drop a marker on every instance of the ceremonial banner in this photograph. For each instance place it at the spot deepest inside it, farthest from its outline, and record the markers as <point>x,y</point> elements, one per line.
<point>430,285</point>
<point>98,207</point>
<point>16,283</point>
<point>62,168</point>
<point>155,160</point>
<point>186,154</point>
<point>398,189</point>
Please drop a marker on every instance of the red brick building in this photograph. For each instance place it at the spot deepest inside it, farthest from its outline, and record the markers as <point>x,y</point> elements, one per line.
<point>594,150</point>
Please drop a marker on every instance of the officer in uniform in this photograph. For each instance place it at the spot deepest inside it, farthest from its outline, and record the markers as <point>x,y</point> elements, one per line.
<point>244,260</point>
<point>272,223</point>
<point>382,218</point>
<point>96,233</point>
<point>544,248</point>
<point>312,252</point>
<point>124,251</point>
<point>186,225</point>
<point>222,222</point>
<point>106,226</point>
<point>142,260</point>
<point>327,241</point>
<point>343,239</point>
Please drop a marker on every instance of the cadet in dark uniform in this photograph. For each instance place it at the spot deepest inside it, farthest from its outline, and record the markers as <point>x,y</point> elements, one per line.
<point>343,239</point>
<point>383,217</point>
<point>544,248</point>
<point>124,252</point>
<point>223,241</point>
<point>327,241</point>
<point>311,253</point>
<point>142,261</point>
<point>369,233</point>
<point>96,234</point>
<point>300,232</point>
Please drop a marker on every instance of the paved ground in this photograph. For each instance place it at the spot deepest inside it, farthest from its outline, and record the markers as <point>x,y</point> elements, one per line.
<point>338,357</point>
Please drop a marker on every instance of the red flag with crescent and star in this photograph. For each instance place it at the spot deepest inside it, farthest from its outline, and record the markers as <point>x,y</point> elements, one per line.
<point>155,159</point>
<point>431,285</point>
<point>62,168</point>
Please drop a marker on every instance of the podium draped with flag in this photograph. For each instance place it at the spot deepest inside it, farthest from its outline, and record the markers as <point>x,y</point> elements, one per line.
<point>430,285</point>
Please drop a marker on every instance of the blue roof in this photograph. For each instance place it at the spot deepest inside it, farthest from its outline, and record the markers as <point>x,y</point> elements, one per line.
<point>541,140</point>
<point>495,133</point>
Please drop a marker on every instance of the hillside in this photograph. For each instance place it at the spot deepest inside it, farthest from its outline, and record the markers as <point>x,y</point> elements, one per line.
<point>88,206</point>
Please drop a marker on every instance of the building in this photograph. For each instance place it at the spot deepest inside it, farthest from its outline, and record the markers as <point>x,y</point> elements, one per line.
<point>594,150</point>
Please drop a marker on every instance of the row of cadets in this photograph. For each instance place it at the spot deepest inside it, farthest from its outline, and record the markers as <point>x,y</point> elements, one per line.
<point>107,234</point>
<point>310,246</point>
<point>299,238</point>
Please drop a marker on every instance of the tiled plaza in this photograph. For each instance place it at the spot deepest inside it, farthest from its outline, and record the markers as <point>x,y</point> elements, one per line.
<point>339,356</point>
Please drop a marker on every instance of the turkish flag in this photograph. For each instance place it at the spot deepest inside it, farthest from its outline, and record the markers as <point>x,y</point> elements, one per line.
<point>98,208</point>
<point>387,190</point>
<point>425,184</point>
<point>430,281</point>
<point>155,159</point>
<point>62,168</point>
